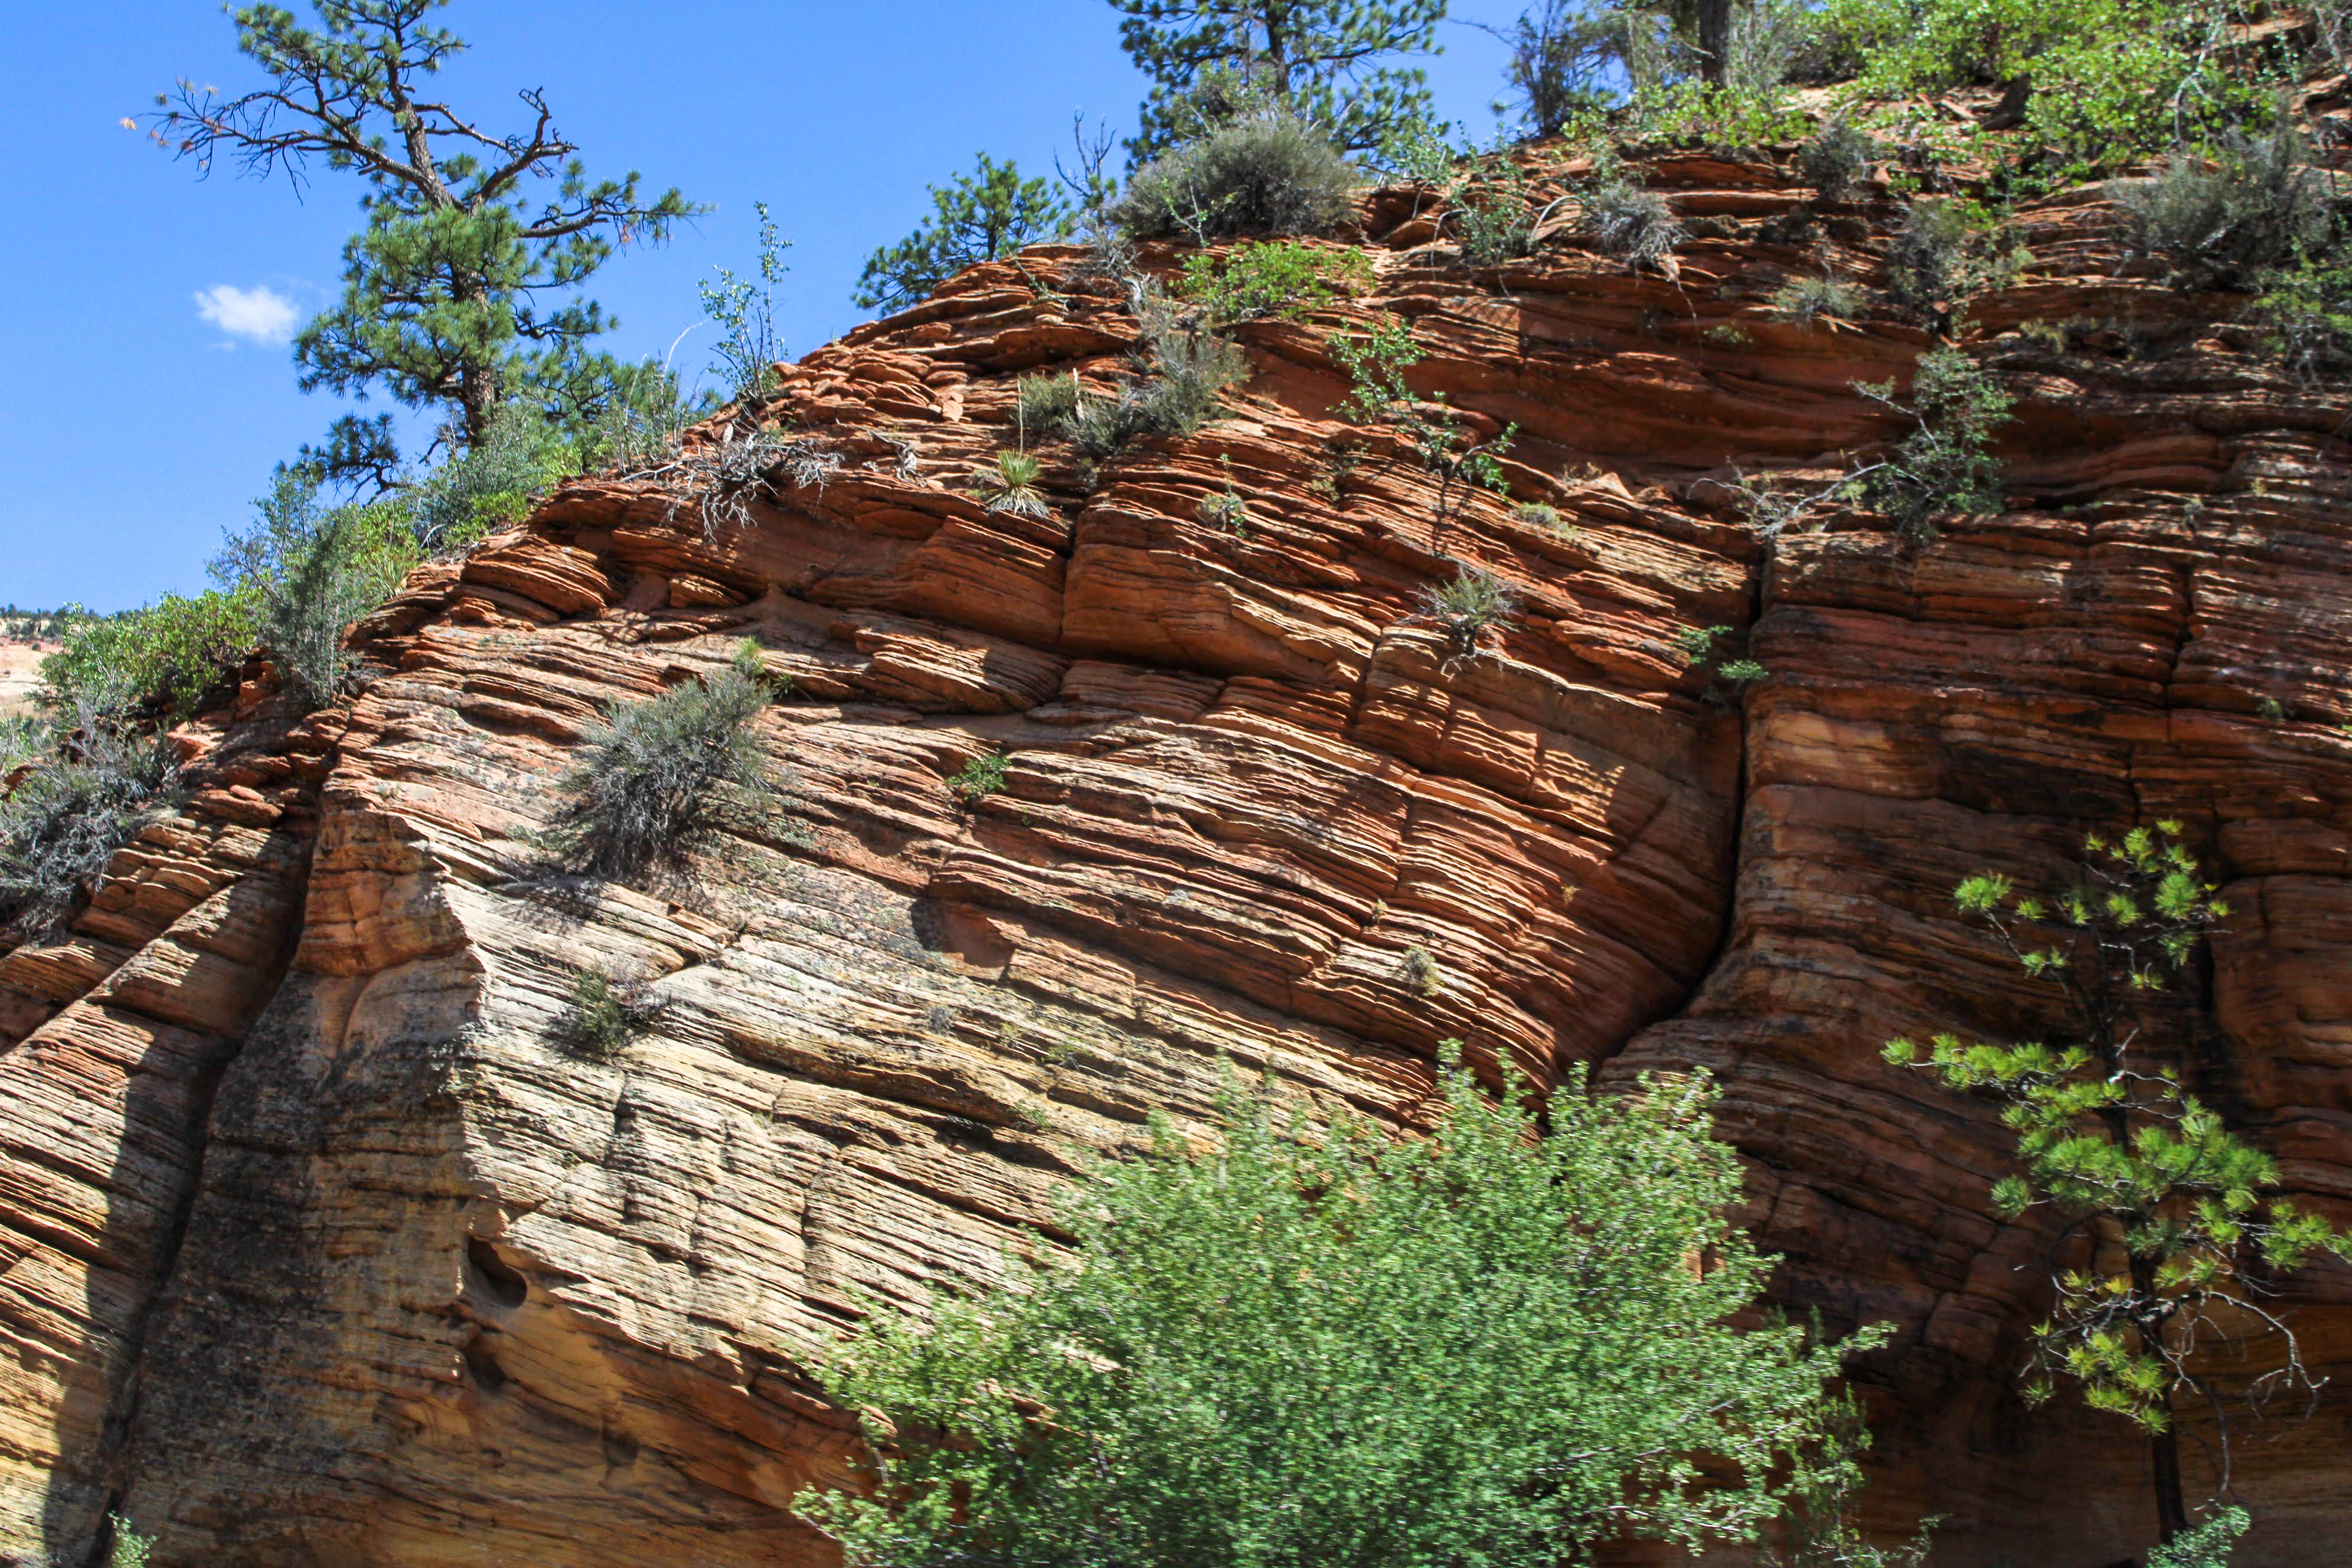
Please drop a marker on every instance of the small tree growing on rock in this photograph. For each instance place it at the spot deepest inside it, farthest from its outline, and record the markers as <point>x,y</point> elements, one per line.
<point>2168,1248</point>
<point>1482,1345</point>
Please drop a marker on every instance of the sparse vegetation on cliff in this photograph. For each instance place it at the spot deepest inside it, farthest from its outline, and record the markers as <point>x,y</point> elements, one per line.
<point>1269,173</point>
<point>604,1014</point>
<point>1164,1397</point>
<point>60,827</point>
<point>647,782</point>
<point>980,217</point>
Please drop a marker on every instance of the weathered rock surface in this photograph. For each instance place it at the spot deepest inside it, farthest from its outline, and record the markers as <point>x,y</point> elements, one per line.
<point>319,1251</point>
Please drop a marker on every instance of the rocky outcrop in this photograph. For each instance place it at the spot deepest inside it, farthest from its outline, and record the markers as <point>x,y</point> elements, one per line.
<point>319,1250</point>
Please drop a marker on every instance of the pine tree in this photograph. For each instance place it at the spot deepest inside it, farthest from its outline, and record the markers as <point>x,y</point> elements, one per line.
<point>980,217</point>
<point>1211,58</point>
<point>2169,1248</point>
<point>460,291</point>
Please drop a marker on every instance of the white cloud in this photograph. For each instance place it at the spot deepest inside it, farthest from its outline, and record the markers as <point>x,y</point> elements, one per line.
<point>260,314</point>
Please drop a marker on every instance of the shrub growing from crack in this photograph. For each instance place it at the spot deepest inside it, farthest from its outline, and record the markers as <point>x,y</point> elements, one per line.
<point>89,794</point>
<point>1280,279</point>
<point>1422,975</point>
<point>1627,221</point>
<point>1945,463</point>
<point>1835,160</point>
<point>981,776</point>
<point>1944,251</point>
<point>604,1014</point>
<point>648,785</point>
<point>1805,300</point>
<point>1466,608</point>
<point>1042,403</point>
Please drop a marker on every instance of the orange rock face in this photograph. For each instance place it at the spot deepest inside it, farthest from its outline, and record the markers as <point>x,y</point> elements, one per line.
<point>320,1250</point>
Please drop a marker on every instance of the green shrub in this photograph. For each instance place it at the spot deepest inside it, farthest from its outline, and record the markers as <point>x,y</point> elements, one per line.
<point>91,791</point>
<point>984,776</point>
<point>1266,174</point>
<point>2206,1546</point>
<point>2309,309</point>
<point>162,662</point>
<point>1376,363</point>
<point>129,1549</point>
<point>1710,651</point>
<point>1186,368</point>
<point>745,314</point>
<point>604,1014</point>
<point>1042,404</point>
<point>1547,519</point>
<point>1492,214</point>
<point>1806,300</point>
<point>1422,976</point>
<point>1945,464</point>
<point>493,483</point>
<point>1944,251</point>
<point>1467,608</point>
<point>647,785</point>
<point>1626,221</point>
<point>1014,486</point>
<point>641,422</point>
<point>2223,221</point>
<point>1420,1357</point>
<point>1279,279</point>
<point>1836,160</point>
<point>314,570</point>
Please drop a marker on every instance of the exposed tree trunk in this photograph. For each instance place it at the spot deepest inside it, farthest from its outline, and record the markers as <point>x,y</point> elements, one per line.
<point>1714,39</point>
<point>2163,1447</point>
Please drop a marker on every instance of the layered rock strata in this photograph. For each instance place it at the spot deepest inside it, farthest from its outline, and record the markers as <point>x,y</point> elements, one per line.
<point>319,1250</point>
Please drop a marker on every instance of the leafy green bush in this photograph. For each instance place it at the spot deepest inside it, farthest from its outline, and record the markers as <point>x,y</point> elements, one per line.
<point>1946,251</point>
<point>1376,363</point>
<point>88,795</point>
<point>1836,160</point>
<point>603,1015</point>
<point>1491,212</point>
<point>1945,463</point>
<point>2226,219</point>
<point>647,785</point>
<point>493,483</point>
<point>2207,1546</point>
<point>1186,369</point>
<point>1266,174</point>
<point>984,776</point>
<point>1279,279</point>
<point>313,569</point>
<point>1467,608</point>
<point>640,424</point>
<point>744,310</point>
<point>163,661</point>
<point>1711,650</point>
<point>1805,300</point>
<point>2308,308</point>
<point>1420,1356</point>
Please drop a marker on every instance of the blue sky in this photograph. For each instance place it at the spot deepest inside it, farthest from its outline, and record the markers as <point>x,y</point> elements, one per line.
<point>142,310</point>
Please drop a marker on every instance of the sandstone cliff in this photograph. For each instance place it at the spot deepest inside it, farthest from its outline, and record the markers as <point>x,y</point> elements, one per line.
<point>319,1251</point>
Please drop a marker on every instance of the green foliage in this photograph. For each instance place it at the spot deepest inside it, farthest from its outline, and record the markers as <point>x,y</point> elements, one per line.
<point>2100,82</point>
<point>1625,220</point>
<point>1945,464</point>
<point>1376,363</point>
<point>1042,403</point>
<point>1835,160</point>
<point>1211,61</point>
<point>1491,212</point>
<point>1947,250</point>
<point>312,570</point>
<point>980,217</point>
<point>1422,976</point>
<point>604,1014</point>
<point>1545,519</point>
<point>2207,1546</point>
<point>1225,509</point>
<point>1014,486</point>
<point>642,424</point>
<point>493,483</point>
<point>1268,173</point>
<point>162,662</point>
<point>1467,607</point>
<point>2225,219</point>
<point>2169,1248</point>
<point>1806,300</point>
<point>647,783</point>
<point>2307,309</point>
<point>93,788</point>
<point>1281,279</point>
<point>460,293</point>
<point>1423,1353</point>
<point>1186,367</point>
<point>1713,651</point>
<point>744,311</point>
<point>984,776</point>
<point>130,1549</point>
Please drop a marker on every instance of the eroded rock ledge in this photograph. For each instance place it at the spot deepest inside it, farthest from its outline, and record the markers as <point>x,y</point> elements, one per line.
<point>318,1251</point>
